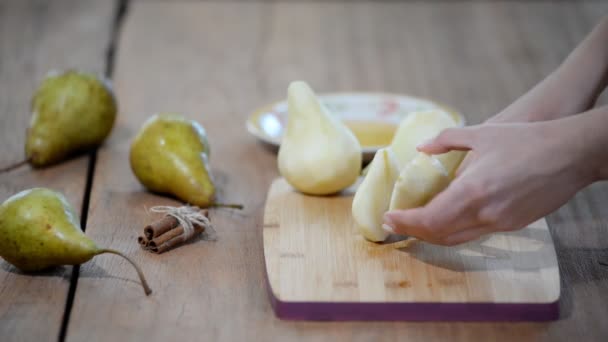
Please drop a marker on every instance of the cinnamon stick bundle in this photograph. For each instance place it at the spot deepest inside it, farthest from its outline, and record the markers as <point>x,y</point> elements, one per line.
<point>167,233</point>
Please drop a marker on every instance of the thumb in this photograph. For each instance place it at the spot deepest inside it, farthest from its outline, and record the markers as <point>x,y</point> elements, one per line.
<point>459,139</point>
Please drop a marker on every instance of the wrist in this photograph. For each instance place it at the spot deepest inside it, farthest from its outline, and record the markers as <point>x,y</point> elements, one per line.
<point>538,104</point>
<point>586,133</point>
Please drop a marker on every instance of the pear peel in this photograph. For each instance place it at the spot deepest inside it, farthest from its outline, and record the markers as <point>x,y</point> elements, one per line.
<point>72,112</point>
<point>39,229</point>
<point>319,155</point>
<point>372,198</point>
<point>170,155</point>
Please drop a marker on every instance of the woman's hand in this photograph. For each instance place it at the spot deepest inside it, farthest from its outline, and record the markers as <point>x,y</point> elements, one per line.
<point>520,166</point>
<point>515,174</point>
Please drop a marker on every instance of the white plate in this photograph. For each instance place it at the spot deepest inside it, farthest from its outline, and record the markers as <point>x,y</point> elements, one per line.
<point>373,117</point>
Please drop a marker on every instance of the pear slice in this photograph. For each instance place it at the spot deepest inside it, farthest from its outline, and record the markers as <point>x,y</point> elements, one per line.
<point>417,128</point>
<point>418,182</point>
<point>319,155</point>
<point>372,198</point>
<point>451,161</point>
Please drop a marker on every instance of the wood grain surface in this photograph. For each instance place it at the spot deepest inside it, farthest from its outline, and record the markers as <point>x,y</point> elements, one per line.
<point>217,61</point>
<point>314,254</point>
<point>36,37</point>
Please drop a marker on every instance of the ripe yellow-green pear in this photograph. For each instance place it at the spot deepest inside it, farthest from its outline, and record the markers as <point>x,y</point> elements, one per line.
<point>71,112</point>
<point>373,196</point>
<point>417,128</point>
<point>170,155</point>
<point>418,182</point>
<point>319,155</point>
<point>39,229</point>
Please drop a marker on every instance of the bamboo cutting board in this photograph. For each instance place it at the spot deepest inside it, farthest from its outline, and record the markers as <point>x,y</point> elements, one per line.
<point>319,268</point>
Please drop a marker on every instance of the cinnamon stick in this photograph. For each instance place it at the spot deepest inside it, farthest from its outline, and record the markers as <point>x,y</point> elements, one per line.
<point>142,241</point>
<point>165,234</point>
<point>167,245</point>
<point>160,227</point>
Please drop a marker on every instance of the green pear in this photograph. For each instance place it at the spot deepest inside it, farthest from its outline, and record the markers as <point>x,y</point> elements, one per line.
<point>71,112</point>
<point>39,229</point>
<point>170,155</point>
<point>319,155</point>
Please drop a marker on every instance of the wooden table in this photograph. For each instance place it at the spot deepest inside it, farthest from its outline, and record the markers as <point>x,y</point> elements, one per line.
<point>216,62</point>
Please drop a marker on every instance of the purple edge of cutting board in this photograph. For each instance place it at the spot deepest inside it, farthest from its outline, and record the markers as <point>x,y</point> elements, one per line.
<point>422,311</point>
<point>378,311</point>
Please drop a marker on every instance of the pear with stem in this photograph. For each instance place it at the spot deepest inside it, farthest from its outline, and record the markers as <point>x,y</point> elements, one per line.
<point>72,112</point>
<point>39,229</point>
<point>170,155</point>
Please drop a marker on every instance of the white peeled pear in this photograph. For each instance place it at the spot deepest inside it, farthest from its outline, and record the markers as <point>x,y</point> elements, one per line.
<point>417,128</point>
<point>418,182</point>
<point>451,161</point>
<point>319,155</point>
<point>373,196</point>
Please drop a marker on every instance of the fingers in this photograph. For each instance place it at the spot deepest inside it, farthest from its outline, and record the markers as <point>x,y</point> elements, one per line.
<point>460,139</point>
<point>453,210</point>
<point>468,159</point>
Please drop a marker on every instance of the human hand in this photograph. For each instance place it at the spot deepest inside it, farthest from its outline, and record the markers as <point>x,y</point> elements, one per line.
<point>515,174</point>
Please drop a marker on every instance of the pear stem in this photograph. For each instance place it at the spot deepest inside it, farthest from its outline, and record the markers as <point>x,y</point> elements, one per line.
<point>14,166</point>
<point>144,283</point>
<point>226,205</point>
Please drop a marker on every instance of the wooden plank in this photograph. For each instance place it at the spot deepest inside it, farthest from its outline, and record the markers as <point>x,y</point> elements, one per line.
<point>36,37</point>
<point>217,62</point>
<point>320,267</point>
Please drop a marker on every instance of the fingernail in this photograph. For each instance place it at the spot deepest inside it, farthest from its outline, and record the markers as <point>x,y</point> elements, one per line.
<point>389,225</point>
<point>388,229</point>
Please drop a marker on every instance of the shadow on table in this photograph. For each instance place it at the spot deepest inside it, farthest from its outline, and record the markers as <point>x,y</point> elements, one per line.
<point>87,270</point>
<point>57,271</point>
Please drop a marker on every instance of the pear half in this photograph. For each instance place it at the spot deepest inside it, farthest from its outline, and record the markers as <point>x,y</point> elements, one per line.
<point>451,161</point>
<point>319,155</point>
<point>373,196</point>
<point>418,182</point>
<point>417,128</point>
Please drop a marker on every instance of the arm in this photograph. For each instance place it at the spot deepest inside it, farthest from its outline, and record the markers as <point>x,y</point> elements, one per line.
<point>572,88</point>
<point>519,173</point>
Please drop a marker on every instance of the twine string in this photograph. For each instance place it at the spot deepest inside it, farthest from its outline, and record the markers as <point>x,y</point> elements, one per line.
<point>187,216</point>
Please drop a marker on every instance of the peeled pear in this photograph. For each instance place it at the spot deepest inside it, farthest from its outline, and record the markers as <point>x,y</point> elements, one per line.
<point>319,155</point>
<point>418,182</point>
<point>373,196</point>
<point>170,155</point>
<point>71,112</point>
<point>39,229</point>
<point>417,128</point>
<point>422,176</point>
<point>451,161</point>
